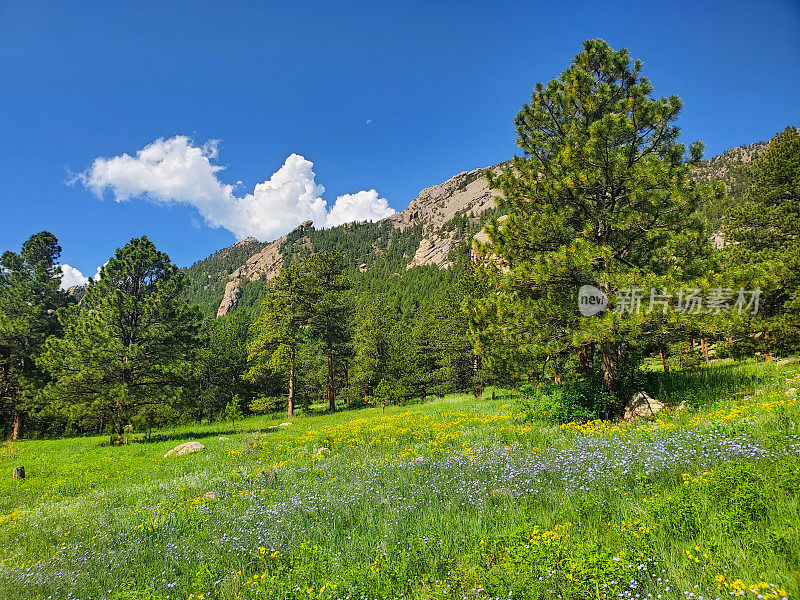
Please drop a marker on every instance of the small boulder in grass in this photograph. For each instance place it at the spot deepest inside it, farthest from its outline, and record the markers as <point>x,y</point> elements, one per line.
<point>18,473</point>
<point>185,448</point>
<point>642,406</point>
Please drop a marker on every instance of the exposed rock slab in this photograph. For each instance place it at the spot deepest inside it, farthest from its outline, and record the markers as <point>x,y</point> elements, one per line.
<point>467,192</point>
<point>433,250</point>
<point>642,406</point>
<point>185,448</point>
<point>265,264</point>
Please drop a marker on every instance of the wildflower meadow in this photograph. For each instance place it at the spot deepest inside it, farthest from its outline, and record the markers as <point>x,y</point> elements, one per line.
<point>452,498</point>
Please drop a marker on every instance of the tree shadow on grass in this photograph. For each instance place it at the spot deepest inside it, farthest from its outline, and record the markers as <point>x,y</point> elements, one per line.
<point>190,435</point>
<point>707,384</point>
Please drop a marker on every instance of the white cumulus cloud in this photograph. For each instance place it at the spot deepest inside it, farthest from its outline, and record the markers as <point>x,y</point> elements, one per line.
<point>176,170</point>
<point>71,276</point>
<point>361,206</point>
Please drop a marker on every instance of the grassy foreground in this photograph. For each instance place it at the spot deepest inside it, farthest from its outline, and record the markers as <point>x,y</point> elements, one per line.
<point>450,499</point>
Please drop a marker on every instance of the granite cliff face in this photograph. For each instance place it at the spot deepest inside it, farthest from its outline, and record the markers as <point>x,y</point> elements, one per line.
<point>265,264</point>
<point>465,193</point>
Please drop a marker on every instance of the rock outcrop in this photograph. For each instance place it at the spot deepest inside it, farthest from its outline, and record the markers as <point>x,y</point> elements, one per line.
<point>726,167</point>
<point>434,206</point>
<point>482,237</point>
<point>77,291</point>
<point>265,265</point>
<point>464,193</point>
<point>642,406</point>
<point>467,192</point>
<point>185,448</point>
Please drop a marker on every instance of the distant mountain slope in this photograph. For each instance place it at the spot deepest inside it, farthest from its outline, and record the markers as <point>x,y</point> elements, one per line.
<point>732,167</point>
<point>437,224</point>
<point>206,279</point>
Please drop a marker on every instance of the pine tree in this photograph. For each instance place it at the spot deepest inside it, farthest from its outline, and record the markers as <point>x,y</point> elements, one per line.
<point>371,343</point>
<point>221,363</point>
<point>127,345</point>
<point>29,299</point>
<point>763,246</point>
<point>326,288</point>
<point>602,196</point>
<point>280,329</point>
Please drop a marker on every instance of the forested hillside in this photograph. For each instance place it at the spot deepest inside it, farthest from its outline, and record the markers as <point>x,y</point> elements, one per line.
<point>732,168</point>
<point>436,229</point>
<point>206,279</point>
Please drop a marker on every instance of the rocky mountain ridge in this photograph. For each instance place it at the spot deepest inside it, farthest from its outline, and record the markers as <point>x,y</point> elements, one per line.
<point>465,196</point>
<point>265,264</point>
<point>464,193</point>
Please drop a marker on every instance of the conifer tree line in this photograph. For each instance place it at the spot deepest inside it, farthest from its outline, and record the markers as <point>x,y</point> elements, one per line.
<point>133,353</point>
<point>602,195</point>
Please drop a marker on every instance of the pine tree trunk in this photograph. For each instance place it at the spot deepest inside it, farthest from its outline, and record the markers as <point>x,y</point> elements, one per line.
<point>584,362</point>
<point>329,391</point>
<point>704,348</point>
<point>477,389</point>
<point>17,432</point>
<point>292,385</point>
<point>664,362</point>
<point>347,383</point>
<point>608,351</point>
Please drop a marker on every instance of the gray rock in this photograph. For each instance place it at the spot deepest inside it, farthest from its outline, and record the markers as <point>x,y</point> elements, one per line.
<point>642,406</point>
<point>18,472</point>
<point>265,264</point>
<point>185,448</point>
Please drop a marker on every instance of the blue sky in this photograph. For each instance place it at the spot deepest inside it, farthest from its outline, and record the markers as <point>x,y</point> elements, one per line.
<point>386,96</point>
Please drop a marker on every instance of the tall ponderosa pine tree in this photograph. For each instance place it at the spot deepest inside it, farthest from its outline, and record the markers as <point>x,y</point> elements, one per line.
<point>125,346</point>
<point>602,196</point>
<point>29,298</point>
<point>371,343</point>
<point>279,331</point>
<point>220,364</point>
<point>326,289</point>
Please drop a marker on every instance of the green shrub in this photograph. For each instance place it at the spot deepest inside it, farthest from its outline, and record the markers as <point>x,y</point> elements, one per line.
<point>742,349</point>
<point>387,392</point>
<point>723,350</point>
<point>563,403</point>
<point>680,513</point>
<point>549,562</point>
<point>267,404</point>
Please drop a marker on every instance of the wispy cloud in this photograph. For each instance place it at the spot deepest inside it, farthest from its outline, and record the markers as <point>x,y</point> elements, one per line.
<point>176,170</point>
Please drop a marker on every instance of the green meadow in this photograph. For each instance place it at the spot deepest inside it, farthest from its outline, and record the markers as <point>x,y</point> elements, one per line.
<point>455,497</point>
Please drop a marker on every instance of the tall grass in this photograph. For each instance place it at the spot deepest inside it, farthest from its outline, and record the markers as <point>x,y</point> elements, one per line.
<point>709,383</point>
